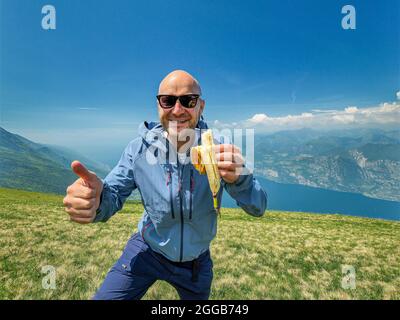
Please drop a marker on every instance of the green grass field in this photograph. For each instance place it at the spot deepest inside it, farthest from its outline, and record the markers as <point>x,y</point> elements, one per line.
<point>283,255</point>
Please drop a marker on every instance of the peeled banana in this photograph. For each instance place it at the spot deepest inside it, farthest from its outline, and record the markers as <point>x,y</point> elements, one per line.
<point>203,159</point>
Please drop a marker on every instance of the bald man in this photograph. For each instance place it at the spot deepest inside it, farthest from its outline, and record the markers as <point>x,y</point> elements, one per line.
<point>179,220</point>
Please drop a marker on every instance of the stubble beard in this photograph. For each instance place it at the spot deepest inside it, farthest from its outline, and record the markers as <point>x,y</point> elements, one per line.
<point>184,136</point>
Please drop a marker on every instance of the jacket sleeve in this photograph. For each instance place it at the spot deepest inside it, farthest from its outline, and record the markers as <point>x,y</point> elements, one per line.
<point>247,191</point>
<point>117,186</point>
<point>249,194</point>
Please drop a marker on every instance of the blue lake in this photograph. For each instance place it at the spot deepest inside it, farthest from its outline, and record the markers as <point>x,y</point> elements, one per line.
<point>291,197</point>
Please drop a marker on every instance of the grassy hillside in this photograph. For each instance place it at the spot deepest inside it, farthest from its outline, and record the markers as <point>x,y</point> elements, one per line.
<point>284,255</point>
<point>35,167</point>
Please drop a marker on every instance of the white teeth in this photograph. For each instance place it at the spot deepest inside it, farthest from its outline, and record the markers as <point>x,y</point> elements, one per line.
<point>180,121</point>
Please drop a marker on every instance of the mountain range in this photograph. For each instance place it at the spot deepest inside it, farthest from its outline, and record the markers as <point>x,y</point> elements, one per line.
<point>37,167</point>
<point>366,161</point>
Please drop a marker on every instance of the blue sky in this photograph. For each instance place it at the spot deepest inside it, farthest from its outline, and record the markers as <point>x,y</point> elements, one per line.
<point>90,82</point>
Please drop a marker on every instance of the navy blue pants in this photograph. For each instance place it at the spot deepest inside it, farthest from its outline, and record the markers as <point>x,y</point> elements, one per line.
<point>139,267</point>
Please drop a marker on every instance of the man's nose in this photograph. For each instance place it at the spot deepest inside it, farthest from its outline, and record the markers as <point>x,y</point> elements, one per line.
<point>178,109</point>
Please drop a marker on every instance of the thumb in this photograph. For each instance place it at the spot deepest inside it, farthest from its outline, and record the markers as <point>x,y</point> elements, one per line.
<point>81,171</point>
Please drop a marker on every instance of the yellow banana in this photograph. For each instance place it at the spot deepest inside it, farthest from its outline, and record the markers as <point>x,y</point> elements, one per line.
<point>203,159</point>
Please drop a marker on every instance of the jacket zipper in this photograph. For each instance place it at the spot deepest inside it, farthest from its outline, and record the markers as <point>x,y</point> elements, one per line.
<point>169,180</point>
<point>181,209</point>
<point>191,194</point>
<point>169,183</point>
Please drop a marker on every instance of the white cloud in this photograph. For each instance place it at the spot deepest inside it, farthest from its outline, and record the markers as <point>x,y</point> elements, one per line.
<point>264,119</point>
<point>322,111</point>
<point>351,110</point>
<point>259,118</point>
<point>398,95</point>
<point>344,118</point>
<point>90,109</point>
<point>383,115</point>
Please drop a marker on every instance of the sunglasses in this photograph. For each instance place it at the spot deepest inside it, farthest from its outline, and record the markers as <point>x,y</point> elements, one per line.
<point>168,101</point>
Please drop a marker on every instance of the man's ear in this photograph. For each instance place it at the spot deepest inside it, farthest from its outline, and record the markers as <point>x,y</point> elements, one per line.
<point>202,105</point>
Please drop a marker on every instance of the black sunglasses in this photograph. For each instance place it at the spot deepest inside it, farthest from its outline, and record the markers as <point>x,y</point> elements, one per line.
<point>168,101</point>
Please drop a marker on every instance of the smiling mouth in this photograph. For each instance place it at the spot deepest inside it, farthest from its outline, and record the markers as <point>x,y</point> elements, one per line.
<point>181,121</point>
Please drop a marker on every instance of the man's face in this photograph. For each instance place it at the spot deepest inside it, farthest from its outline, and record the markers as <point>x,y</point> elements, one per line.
<point>178,118</point>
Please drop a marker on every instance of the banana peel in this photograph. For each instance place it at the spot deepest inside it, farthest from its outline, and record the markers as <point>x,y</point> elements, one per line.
<point>203,159</point>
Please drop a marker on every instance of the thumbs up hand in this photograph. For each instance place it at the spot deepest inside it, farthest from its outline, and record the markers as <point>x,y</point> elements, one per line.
<point>83,196</point>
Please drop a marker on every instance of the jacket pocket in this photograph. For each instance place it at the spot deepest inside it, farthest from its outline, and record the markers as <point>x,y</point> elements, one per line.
<point>145,227</point>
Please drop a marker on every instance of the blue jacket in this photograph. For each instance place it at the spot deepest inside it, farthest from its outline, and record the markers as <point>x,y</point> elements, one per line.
<point>179,219</point>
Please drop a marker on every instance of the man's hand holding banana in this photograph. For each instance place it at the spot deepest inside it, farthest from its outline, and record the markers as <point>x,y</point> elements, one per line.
<point>217,161</point>
<point>229,161</point>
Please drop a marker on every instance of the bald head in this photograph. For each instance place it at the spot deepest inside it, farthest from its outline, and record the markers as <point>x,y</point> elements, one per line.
<point>178,83</point>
